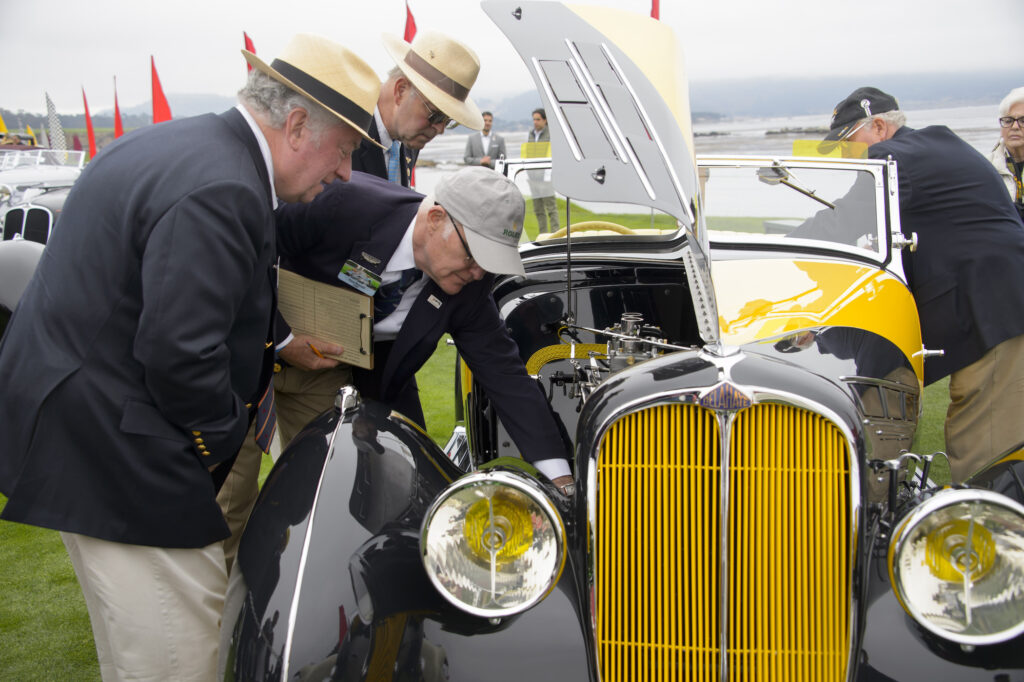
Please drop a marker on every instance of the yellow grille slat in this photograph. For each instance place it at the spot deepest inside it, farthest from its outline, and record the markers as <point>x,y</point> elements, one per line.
<point>658,539</point>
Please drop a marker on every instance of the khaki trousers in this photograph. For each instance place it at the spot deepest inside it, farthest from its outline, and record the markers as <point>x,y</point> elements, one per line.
<point>155,611</point>
<point>985,417</point>
<point>299,397</point>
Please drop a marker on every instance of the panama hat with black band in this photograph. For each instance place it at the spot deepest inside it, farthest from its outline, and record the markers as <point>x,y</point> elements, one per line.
<point>330,75</point>
<point>443,70</point>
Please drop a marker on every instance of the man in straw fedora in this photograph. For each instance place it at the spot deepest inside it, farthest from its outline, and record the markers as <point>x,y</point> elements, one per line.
<point>135,360</point>
<point>424,94</point>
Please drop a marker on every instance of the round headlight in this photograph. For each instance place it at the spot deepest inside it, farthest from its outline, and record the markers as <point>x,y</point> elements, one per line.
<point>957,566</point>
<point>493,544</point>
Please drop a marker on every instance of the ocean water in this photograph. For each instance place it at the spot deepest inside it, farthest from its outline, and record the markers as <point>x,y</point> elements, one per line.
<point>744,136</point>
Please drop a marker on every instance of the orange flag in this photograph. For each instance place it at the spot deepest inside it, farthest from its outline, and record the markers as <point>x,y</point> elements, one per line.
<point>118,128</point>
<point>161,110</point>
<point>88,127</point>
<point>249,46</point>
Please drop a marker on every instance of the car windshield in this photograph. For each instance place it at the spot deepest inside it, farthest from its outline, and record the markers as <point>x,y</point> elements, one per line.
<point>591,221</point>
<point>788,202</point>
<point>783,201</point>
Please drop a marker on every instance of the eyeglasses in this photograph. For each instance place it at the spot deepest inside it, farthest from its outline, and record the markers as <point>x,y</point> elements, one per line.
<point>469,256</point>
<point>436,116</point>
<point>853,131</point>
<point>1008,121</point>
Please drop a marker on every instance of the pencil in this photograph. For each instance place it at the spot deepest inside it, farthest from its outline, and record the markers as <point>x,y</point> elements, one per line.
<point>314,349</point>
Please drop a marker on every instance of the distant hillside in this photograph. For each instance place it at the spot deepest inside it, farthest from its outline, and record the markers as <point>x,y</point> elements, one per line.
<point>708,99</point>
<point>800,96</point>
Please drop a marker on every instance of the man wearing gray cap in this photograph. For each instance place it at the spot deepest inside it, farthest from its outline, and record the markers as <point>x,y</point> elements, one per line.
<point>435,258</point>
<point>967,274</point>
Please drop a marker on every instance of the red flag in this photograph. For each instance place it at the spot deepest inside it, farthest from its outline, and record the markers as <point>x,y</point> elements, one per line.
<point>76,144</point>
<point>410,33</point>
<point>410,24</point>
<point>249,46</point>
<point>118,128</point>
<point>161,110</point>
<point>88,127</point>
<point>655,9</point>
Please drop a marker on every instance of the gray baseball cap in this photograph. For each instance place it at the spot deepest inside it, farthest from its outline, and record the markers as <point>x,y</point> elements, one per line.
<point>490,208</point>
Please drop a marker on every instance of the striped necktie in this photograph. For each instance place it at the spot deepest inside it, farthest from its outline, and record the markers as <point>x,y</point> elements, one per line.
<point>393,162</point>
<point>387,297</point>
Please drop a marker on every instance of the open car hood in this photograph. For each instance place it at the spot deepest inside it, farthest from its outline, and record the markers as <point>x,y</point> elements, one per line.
<point>614,88</point>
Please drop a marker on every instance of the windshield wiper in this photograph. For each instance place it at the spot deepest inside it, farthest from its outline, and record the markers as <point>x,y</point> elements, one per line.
<point>777,174</point>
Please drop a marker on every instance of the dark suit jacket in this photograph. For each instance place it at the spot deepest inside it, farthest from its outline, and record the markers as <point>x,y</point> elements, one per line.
<point>369,158</point>
<point>967,274</point>
<point>129,363</point>
<point>371,215</point>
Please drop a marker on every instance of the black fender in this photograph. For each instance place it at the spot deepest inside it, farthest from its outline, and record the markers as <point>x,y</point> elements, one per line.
<point>329,579</point>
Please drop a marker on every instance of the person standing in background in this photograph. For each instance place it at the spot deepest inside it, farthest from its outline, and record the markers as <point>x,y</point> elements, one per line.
<point>542,191</point>
<point>1008,154</point>
<point>485,147</point>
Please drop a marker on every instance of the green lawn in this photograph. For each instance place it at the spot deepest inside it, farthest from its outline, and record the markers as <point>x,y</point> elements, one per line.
<point>44,626</point>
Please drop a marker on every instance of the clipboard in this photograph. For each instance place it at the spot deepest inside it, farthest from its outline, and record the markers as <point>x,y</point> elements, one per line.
<point>328,312</point>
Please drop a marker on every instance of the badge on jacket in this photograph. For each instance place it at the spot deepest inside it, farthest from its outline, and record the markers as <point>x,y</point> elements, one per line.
<point>359,278</point>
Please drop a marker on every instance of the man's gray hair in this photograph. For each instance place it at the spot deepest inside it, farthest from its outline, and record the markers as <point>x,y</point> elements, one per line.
<point>1016,96</point>
<point>895,118</point>
<point>275,100</point>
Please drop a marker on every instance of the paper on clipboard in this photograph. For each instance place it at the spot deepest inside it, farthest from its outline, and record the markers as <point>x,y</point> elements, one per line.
<point>328,312</point>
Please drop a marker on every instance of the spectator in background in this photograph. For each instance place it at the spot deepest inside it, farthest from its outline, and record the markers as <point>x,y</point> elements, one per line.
<point>541,190</point>
<point>426,93</point>
<point>484,148</point>
<point>1008,155</point>
<point>967,274</point>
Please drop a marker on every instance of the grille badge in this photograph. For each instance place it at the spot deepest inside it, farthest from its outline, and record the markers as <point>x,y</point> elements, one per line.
<point>724,396</point>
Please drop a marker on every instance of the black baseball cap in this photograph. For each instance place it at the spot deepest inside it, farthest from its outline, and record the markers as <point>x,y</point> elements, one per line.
<point>860,104</point>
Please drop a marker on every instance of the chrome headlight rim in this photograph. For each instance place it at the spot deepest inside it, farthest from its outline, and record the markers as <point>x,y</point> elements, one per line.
<point>903,531</point>
<point>536,494</point>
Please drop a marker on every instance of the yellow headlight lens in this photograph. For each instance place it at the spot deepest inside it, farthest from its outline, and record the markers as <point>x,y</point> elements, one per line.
<point>957,565</point>
<point>493,544</point>
<point>499,524</point>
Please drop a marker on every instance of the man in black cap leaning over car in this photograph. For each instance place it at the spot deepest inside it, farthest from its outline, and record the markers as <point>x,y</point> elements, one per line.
<point>134,362</point>
<point>967,274</point>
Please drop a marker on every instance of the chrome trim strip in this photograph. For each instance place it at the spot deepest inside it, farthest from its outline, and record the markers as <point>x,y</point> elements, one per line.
<point>293,609</point>
<point>610,125</point>
<point>597,100</point>
<point>542,79</point>
<point>725,422</point>
<point>684,201</point>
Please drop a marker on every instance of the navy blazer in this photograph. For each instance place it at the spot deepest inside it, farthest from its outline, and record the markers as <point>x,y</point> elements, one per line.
<point>369,158</point>
<point>967,274</point>
<point>316,239</point>
<point>132,360</point>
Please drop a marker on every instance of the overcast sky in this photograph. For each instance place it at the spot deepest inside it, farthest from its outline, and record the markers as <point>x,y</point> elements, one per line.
<point>61,46</point>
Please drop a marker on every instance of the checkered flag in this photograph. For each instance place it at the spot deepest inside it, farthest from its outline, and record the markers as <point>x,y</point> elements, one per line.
<point>57,139</point>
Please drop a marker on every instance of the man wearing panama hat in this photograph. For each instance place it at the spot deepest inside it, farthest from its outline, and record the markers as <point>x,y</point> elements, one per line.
<point>134,362</point>
<point>425,93</point>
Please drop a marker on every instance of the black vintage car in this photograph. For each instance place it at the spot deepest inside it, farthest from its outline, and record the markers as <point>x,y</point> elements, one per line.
<point>741,370</point>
